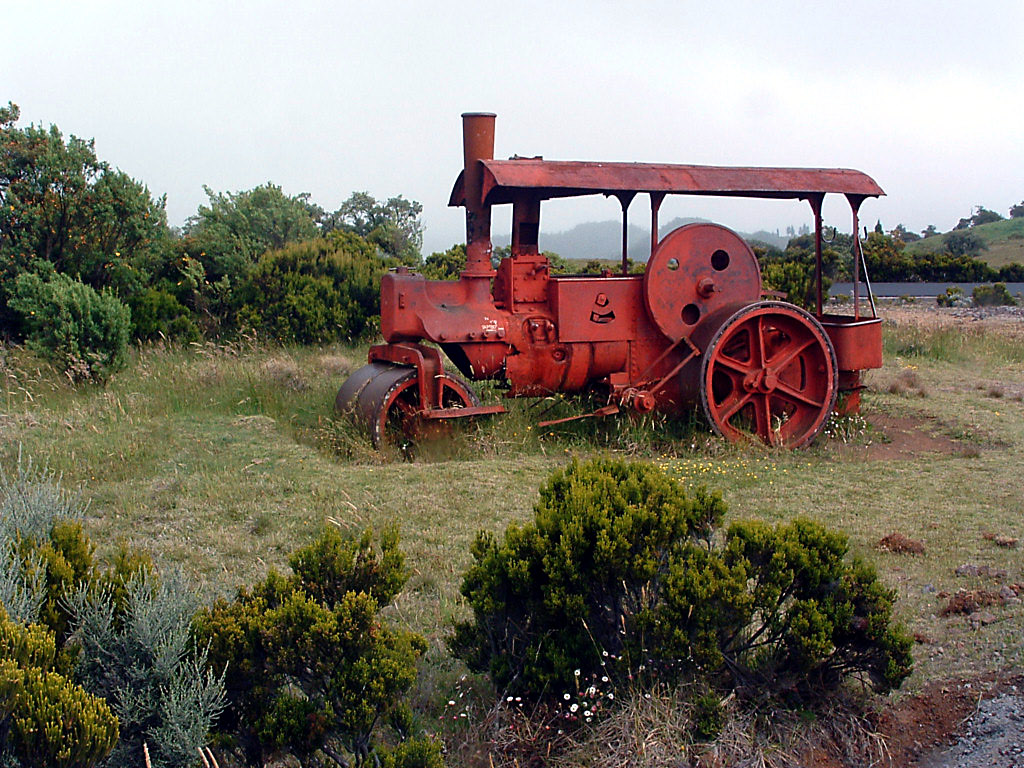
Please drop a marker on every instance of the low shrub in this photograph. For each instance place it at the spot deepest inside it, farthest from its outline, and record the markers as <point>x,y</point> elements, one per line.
<point>310,667</point>
<point>994,295</point>
<point>82,331</point>
<point>624,574</point>
<point>142,659</point>
<point>953,297</point>
<point>120,631</point>
<point>45,719</point>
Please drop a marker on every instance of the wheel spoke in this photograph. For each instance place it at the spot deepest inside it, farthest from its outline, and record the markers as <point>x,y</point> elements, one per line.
<point>770,374</point>
<point>727,411</point>
<point>791,354</point>
<point>734,365</point>
<point>763,418</point>
<point>797,395</point>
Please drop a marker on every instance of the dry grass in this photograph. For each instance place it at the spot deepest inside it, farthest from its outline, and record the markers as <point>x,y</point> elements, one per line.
<point>653,729</point>
<point>213,459</point>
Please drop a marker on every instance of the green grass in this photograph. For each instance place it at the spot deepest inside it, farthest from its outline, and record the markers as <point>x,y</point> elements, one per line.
<point>225,459</point>
<point>1005,241</point>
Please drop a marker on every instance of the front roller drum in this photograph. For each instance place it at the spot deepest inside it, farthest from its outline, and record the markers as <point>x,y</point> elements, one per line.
<point>385,399</point>
<point>769,373</point>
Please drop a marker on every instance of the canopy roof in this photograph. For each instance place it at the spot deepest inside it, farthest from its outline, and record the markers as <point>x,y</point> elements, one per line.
<point>505,180</point>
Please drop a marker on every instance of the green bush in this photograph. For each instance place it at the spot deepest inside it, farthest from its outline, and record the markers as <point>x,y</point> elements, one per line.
<point>310,666</point>
<point>796,280</point>
<point>84,332</point>
<point>51,721</point>
<point>622,573</point>
<point>313,292</point>
<point>557,595</point>
<point>45,719</point>
<point>157,314</point>
<point>44,552</point>
<point>123,632</point>
<point>994,295</point>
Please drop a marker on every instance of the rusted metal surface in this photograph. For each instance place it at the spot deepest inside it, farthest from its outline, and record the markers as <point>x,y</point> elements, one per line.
<point>691,332</point>
<point>553,178</point>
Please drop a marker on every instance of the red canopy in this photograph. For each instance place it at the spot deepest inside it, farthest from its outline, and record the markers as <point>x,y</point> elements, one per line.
<point>543,179</point>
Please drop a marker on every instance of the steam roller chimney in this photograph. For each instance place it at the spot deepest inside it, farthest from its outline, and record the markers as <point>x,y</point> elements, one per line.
<point>477,144</point>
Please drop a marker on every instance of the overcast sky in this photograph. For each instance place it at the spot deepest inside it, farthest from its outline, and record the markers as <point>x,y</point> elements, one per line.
<point>332,97</point>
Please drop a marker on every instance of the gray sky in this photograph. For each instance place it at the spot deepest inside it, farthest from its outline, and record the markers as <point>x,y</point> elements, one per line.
<point>332,97</point>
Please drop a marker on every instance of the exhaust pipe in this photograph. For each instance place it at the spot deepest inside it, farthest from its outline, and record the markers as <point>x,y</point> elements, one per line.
<point>477,144</point>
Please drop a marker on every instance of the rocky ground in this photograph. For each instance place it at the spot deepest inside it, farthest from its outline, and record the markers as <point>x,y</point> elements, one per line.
<point>993,737</point>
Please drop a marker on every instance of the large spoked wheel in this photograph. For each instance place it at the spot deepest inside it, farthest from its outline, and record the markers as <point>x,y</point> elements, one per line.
<point>386,399</point>
<point>769,373</point>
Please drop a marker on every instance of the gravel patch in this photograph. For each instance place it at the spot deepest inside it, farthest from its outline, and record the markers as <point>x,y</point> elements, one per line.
<point>993,737</point>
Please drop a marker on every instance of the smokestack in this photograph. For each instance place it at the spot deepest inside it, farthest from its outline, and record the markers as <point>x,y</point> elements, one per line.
<point>477,144</point>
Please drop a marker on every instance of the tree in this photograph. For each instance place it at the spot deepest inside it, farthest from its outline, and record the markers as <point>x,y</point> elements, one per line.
<point>963,243</point>
<point>63,209</point>
<point>393,226</point>
<point>227,236</point>
<point>984,216</point>
<point>1017,211</point>
<point>901,233</point>
<point>929,231</point>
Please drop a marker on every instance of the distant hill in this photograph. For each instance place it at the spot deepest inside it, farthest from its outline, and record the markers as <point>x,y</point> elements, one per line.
<point>1005,241</point>
<point>602,240</point>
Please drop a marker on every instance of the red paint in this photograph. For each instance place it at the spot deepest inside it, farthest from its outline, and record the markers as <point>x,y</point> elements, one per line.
<point>690,332</point>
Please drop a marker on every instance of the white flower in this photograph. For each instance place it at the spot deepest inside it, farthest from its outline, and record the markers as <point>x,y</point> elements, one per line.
<point>451,703</point>
<point>577,673</point>
<point>574,707</point>
<point>565,696</point>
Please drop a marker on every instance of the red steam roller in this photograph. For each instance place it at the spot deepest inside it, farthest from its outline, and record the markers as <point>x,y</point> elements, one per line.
<point>695,330</point>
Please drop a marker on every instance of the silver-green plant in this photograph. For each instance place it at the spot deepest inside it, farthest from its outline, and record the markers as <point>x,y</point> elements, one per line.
<point>144,662</point>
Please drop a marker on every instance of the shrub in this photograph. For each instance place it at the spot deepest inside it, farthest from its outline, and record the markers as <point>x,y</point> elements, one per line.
<point>84,332</point>
<point>796,280</point>
<point>953,297</point>
<point>127,630</point>
<point>580,581</point>
<point>45,719</point>
<point>53,722</point>
<point>621,573</point>
<point>156,314</point>
<point>42,545</point>
<point>145,664</point>
<point>992,295</point>
<point>310,666</point>
<point>313,292</point>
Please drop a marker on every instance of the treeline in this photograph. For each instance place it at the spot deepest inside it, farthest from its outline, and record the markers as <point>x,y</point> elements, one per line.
<point>792,270</point>
<point>88,262</point>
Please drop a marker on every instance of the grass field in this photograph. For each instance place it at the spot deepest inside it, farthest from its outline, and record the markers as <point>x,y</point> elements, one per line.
<point>1005,241</point>
<point>223,459</point>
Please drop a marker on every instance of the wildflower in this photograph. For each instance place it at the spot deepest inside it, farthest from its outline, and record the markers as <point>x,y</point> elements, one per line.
<point>565,696</point>
<point>574,707</point>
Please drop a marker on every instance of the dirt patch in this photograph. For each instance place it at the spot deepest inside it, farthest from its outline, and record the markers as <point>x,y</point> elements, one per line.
<point>904,437</point>
<point>900,544</point>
